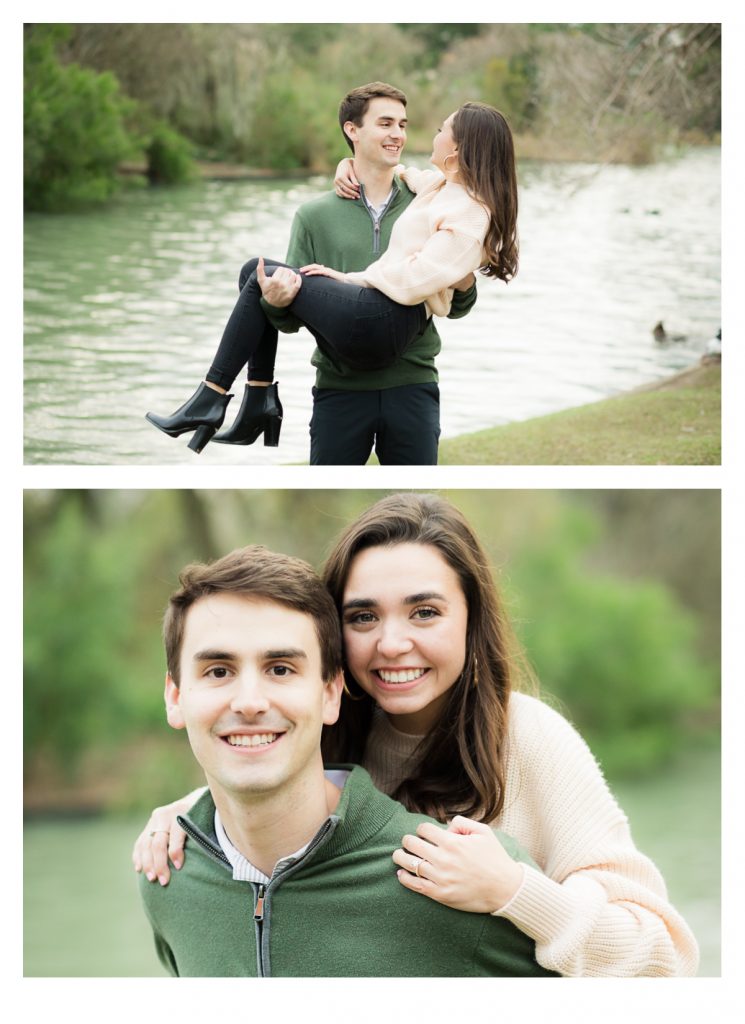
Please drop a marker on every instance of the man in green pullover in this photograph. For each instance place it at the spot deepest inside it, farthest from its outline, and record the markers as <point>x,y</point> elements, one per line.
<point>288,870</point>
<point>396,410</point>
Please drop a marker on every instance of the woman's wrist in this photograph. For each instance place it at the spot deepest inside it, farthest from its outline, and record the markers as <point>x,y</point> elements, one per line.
<point>508,885</point>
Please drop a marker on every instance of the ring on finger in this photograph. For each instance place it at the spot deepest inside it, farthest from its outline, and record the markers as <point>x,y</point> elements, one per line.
<point>417,863</point>
<point>157,830</point>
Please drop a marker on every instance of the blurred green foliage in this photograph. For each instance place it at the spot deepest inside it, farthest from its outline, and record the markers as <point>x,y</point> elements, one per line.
<point>620,655</point>
<point>436,38</point>
<point>267,94</point>
<point>169,156</point>
<point>81,589</point>
<point>511,83</point>
<point>619,650</point>
<point>79,127</point>
<point>291,126</point>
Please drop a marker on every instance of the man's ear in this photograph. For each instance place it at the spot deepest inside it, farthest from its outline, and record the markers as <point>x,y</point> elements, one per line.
<point>172,697</point>
<point>332,699</point>
<point>350,130</point>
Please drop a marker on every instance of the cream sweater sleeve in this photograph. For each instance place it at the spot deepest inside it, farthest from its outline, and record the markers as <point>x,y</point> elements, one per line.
<point>601,908</point>
<point>419,178</point>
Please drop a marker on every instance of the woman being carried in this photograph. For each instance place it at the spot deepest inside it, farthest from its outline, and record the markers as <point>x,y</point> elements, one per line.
<point>463,218</point>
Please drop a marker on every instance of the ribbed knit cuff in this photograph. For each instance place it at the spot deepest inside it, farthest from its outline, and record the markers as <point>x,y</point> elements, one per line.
<point>541,908</point>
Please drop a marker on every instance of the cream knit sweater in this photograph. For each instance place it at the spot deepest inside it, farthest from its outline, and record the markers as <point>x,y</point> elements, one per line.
<point>437,240</point>
<point>601,908</point>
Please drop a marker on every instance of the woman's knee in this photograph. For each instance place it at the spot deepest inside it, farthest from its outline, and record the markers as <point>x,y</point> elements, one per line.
<point>246,270</point>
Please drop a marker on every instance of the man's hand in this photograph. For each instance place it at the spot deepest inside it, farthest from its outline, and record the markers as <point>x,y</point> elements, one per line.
<point>281,288</point>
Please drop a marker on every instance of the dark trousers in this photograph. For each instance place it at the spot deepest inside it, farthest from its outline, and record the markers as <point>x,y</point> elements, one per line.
<point>403,424</point>
<point>359,327</point>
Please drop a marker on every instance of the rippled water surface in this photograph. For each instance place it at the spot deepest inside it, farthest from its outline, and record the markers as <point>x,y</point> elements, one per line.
<point>125,306</point>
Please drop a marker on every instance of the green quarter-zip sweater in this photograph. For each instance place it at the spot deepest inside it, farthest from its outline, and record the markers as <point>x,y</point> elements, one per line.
<point>342,234</point>
<point>338,911</point>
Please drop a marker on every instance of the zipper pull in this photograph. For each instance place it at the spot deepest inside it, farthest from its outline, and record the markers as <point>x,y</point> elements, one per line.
<point>259,908</point>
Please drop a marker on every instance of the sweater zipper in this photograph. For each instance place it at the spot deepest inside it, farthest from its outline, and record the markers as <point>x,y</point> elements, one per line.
<point>376,220</point>
<point>219,856</point>
<point>213,851</point>
<point>262,905</point>
<point>259,925</point>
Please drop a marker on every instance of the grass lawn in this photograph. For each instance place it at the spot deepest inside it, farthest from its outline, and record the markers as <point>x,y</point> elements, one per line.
<point>675,422</point>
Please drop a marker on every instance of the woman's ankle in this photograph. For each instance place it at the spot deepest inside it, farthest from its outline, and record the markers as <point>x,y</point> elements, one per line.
<point>216,387</point>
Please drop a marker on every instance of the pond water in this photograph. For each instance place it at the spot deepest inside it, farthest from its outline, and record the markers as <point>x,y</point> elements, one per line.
<point>125,305</point>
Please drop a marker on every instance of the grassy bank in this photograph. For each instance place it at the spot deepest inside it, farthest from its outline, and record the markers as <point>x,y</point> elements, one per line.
<point>674,422</point>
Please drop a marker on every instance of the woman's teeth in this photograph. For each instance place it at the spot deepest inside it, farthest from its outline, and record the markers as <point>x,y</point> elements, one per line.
<point>405,676</point>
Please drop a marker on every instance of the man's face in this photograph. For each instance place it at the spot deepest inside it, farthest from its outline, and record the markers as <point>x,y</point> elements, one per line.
<point>252,697</point>
<point>381,137</point>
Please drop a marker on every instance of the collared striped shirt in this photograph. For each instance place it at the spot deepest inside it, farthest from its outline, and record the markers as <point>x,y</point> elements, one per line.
<point>243,869</point>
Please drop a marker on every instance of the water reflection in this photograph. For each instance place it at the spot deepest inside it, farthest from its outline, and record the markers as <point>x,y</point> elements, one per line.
<point>124,307</point>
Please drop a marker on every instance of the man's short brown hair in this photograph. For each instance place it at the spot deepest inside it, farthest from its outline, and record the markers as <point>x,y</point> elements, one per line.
<point>254,571</point>
<point>354,105</point>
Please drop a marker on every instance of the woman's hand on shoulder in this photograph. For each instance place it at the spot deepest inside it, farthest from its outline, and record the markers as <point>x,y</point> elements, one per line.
<point>162,838</point>
<point>464,866</point>
<point>346,185</point>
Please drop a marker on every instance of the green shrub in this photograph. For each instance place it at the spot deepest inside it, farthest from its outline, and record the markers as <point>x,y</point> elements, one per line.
<point>619,654</point>
<point>279,138</point>
<point>75,131</point>
<point>82,648</point>
<point>169,156</point>
<point>510,84</point>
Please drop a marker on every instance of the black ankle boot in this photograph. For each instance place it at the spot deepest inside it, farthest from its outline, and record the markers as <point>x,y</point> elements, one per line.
<point>203,413</point>
<point>260,413</point>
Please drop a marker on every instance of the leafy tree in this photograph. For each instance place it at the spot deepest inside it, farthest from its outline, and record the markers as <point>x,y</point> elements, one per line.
<point>439,37</point>
<point>169,158</point>
<point>75,127</point>
<point>621,654</point>
<point>79,606</point>
<point>510,84</point>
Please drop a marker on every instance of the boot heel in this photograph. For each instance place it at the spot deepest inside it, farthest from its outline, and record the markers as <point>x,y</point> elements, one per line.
<point>201,436</point>
<point>271,432</point>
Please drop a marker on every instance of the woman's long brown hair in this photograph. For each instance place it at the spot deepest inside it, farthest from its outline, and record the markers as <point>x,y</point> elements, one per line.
<point>486,164</point>
<point>459,767</point>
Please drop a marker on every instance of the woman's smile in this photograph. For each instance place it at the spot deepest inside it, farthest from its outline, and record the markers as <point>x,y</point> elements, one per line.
<point>400,675</point>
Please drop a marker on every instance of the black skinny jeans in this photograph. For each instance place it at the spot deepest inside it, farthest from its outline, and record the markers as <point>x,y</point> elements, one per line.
<point>357,326</point>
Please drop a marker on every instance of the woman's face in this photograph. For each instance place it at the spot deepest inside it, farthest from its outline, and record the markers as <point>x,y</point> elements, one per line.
<point>404,618</point>
<point>443,145</point>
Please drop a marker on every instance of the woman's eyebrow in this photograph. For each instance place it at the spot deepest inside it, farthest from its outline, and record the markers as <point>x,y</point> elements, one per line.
<point>369,602</point>
<point>426,595</point>
<point>359,602</point>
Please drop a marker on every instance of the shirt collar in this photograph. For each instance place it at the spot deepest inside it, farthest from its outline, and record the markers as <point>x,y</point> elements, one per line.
<point>243,869</point>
